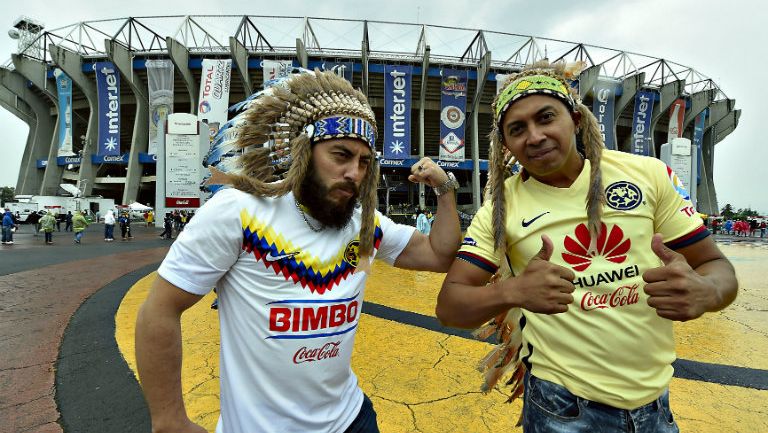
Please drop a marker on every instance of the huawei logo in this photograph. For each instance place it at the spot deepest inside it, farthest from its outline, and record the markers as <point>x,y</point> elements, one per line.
<point>613,247</point>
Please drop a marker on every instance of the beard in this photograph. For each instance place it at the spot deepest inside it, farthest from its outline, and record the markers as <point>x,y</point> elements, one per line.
<point>314,195</point>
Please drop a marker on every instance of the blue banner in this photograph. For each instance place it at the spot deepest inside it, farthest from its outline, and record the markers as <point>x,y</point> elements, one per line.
<point>66,160</point>
<point>64,91</point>
<point>602,107</point>
<point>147,158</point>
<point>453,106</point>
<point>698,139</point>
<point>397,111</point>
<point>465,165</point>
<point>108,90</point>
<point>641,123</point>
<point>42,163</point>
<point>110,159</point>
<point>342,69</point>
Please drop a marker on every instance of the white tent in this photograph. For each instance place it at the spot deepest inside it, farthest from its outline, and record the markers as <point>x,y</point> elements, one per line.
<point>136,206</point>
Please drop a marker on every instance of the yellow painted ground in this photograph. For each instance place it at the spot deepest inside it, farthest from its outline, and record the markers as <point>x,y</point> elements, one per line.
<point>425,381</point>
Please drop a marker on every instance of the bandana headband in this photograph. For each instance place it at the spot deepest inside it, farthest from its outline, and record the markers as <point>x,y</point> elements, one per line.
<point>532,85</point>
<point>340,127</point>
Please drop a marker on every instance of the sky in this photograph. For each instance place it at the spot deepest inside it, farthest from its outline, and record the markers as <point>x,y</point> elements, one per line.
<point>722,40</point>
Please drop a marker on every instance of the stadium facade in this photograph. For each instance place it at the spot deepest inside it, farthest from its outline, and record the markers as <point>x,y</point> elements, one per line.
<point>430,87</point>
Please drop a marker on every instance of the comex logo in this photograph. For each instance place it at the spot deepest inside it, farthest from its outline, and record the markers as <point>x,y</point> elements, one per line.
<point>612,246</point>
<point>623,195</point>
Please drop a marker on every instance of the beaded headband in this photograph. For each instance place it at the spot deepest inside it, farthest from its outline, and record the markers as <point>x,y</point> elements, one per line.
<point>532,85</point>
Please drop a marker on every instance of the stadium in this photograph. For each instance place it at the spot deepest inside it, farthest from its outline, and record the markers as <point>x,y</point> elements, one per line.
<point>430,86</point>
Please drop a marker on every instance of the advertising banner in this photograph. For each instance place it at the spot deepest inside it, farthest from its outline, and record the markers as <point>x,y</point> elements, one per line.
<point>64,91</point>
<point>274,69</point>
<point>67,160</point>
<point>397,111</point>
<point>641,123</point>
<point>342,69</point>
<point>160,86</point>
<point>602,107</point>
<point>698,140</point>
<point>182,162</point>
<point>676,115</point>
<point>110,159</point>
<point>453,107</point>
<point>214,94</point>
<point>108,90</point>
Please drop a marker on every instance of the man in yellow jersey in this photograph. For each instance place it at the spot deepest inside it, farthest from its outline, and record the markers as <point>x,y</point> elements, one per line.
<point>605,251</point>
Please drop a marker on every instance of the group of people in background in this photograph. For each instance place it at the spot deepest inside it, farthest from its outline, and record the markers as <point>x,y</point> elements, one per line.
<point>745,228</point>
<point>175,221</point>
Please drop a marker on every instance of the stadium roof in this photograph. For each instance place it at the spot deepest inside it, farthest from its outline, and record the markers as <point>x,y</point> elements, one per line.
<point>344,38</point>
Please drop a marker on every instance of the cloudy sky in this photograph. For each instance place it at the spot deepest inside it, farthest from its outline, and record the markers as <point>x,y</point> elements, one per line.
<point>723,40</point>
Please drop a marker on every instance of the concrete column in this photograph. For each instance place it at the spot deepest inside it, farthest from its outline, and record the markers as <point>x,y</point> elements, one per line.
<point>699,102</point>
<point>301,53</point>
<point>72,64</point>
<point>23,111</point>
<point>718,110</point>
<point>240,56</point>
<point>123,61</point>
<point>707,197</point>
<point>45,127</point>
<point>482,77</point>
<point>587,80</point>
<point>669,92</point>
<point>422,103</point>
<point>36,71</point>
<point>179,55</point>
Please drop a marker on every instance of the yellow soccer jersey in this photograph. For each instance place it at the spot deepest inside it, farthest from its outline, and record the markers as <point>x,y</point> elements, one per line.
<point>610,346</point>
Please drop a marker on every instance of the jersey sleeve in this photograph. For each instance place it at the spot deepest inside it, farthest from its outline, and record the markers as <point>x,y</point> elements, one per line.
<point>207,247</point>
<point>675,217</point>
<point>394,238</point>
<point>477,246</point>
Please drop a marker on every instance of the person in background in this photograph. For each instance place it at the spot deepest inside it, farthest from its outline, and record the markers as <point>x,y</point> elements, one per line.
<point>109,226</point>
<point>125,226</point>
<point>68,221</point>
<point>47,224</point>
<point>79,224</point>
<point>423,224</point>
<point>8,226</point>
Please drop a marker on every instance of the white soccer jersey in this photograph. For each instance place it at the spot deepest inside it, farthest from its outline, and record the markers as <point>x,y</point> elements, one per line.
<point>289,305</point>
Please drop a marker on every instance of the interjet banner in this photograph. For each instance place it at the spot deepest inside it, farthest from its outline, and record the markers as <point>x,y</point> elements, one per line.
<point>676,116</point>
<point>108,90</point>
<point>453,106</point>
<point>274,69</point>
<point>641,123</point>
<point>602,108</point>
<point>343,69</point>
<point>64,90</point>
<point>698,140</point>
<point>214,94</point>
<point>397,111</point>
<point>160,86</point>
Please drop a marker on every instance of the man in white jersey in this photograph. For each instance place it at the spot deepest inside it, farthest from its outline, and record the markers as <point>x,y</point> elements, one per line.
<point>289,258</point>
<point>603,251</point>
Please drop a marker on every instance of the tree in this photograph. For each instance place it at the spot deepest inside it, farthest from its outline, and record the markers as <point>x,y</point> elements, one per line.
<point>6,194</point>
<point>727,211</point>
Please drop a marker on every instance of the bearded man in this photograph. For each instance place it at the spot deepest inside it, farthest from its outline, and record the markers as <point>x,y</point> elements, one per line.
<point>288,249</point>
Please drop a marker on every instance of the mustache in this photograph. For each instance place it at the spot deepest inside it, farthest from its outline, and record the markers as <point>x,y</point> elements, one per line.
<point>346,186</point>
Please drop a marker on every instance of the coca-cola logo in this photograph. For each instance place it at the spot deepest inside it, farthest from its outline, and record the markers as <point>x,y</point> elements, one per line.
<point>326,351</point>
<point>622,296</point>
<point>612,246</point>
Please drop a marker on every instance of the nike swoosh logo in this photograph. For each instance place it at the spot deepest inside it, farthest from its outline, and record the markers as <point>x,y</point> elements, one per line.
<point>272,258</point>
<point>529,222</point>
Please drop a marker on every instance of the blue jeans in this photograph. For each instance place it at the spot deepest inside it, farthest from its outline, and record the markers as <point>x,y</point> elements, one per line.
<point>109,231</point>
<point>365,422</point>
<point>78,236</point>
<point>7,234</point>
<point>551,408</point>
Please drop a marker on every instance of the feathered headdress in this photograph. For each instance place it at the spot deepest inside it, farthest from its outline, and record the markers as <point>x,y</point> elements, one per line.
<point>273,136</point>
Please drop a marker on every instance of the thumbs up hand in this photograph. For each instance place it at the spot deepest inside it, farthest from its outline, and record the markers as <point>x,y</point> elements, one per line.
<point>675,290</point>
<point>543,287</point>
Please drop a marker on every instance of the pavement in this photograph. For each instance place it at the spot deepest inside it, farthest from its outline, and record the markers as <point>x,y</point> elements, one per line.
<point>67,364</point>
